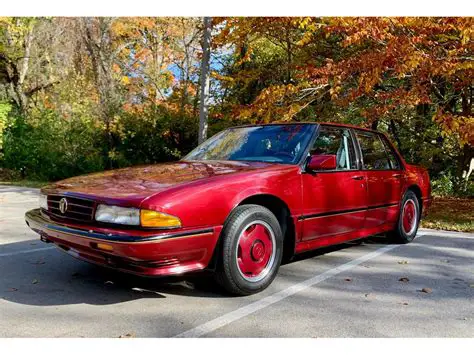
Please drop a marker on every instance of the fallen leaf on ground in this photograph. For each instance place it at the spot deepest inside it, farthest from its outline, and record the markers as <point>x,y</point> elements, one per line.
<point>403,262</point>
<point>426,290</point>
<point>34,281</point>
<point>404,279</point>
<point>128,335</point>
<point>12,289</point>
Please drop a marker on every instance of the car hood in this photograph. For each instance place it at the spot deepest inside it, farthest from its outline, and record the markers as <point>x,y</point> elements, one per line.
<point>136,183</point>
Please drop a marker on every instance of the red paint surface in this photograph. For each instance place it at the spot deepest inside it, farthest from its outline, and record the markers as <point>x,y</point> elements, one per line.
<point>203,194</point>
<point>254,250</point>
<point>322,162</point>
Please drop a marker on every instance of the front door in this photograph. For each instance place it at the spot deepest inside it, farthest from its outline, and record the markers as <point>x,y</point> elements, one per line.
<point>334,201</point>
<point>383,179</point>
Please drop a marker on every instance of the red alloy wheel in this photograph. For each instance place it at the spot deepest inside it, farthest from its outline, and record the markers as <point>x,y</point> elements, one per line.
<point>409,217</point>
<point>256,251</point>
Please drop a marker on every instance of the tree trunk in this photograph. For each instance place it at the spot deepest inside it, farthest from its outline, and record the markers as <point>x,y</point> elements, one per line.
<point>98,42</point>
<point>466,162</point>
<point>204,104</point>
<point>16,72</point>
<point>288,56</point>
<point>466,158</point>
<point>394,131</point>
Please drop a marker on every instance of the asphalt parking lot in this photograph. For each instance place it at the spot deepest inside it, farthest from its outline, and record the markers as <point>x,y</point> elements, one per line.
<point>372,289</point>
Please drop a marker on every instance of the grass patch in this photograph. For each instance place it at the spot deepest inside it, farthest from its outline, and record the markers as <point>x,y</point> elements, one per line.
<point>13,178</point>
<point>452,214</point>
<point>24,183</point>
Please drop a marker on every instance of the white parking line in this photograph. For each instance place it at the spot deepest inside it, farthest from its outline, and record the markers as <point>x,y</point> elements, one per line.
<point>26,251</point>
<point>438,233</point>
<point>239,313</point>
<point>230,317</point>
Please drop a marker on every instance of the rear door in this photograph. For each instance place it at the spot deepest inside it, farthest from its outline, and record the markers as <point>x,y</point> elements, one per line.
<point>384,176</point>
<point>334,201</point>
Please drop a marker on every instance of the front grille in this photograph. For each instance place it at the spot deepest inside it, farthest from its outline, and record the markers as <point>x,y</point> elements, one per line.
<point>78,209</point>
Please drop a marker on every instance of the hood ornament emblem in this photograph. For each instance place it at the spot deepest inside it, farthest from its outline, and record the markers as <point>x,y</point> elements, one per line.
<point>63,205</point>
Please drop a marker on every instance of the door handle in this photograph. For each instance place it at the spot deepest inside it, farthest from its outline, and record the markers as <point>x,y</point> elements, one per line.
<point>358,177</point>
<point>396,175</point>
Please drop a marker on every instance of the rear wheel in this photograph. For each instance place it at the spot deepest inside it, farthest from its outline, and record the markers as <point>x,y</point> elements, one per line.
<point>252,249</point>
<point>408,220</point>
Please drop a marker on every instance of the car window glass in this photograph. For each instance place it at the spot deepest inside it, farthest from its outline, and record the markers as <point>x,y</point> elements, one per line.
<point>338,142</point>
<point>272,143</point>
<point>391,154</point>
<point>374,155</point>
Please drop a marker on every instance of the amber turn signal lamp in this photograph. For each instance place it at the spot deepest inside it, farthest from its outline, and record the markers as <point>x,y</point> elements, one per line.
<point>158,219</point>
<point>106,247</point>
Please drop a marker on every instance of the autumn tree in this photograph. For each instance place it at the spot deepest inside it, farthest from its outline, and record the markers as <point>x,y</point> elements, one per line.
<point>119,91</point>
<point>33,53</point>
<point>394,71</point>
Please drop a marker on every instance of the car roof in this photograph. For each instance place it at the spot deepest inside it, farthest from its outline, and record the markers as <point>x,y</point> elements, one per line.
<point>336,124</point>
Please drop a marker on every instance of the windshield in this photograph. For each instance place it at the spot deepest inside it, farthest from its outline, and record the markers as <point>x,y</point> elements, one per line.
<point>274,143</point>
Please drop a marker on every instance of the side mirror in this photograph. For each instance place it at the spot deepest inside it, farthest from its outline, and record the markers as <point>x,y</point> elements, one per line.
<point>321,162</point>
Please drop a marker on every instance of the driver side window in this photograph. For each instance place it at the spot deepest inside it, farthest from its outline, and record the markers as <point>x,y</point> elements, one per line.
<point>336,141</point>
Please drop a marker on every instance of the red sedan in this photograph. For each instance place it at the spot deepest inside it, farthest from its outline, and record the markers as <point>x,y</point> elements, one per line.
<point>238,203</point>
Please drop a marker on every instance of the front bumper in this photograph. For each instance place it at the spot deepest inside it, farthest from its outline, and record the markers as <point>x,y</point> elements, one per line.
<point>155,254</point>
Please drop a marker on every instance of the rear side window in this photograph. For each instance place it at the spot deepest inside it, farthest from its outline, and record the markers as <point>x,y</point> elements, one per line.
<point>374,155</point>
<point>391,154</point>
<point>338,142</point>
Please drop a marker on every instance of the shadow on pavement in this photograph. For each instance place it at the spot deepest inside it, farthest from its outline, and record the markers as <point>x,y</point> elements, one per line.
<point>50,277</point>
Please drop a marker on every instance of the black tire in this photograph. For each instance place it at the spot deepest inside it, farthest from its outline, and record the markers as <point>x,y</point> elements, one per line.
<point>228,273</point>
<point>400,234</point>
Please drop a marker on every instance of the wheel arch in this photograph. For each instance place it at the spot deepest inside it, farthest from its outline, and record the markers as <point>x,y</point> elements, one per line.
<point>417,191</point>
<point>282,212</point>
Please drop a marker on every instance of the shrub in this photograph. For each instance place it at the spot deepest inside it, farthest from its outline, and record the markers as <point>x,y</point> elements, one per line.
<point>446,185</point>
<point>49,147</point>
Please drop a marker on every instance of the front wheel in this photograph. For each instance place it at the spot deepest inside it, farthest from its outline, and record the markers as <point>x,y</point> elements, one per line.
<point>252,249</point>
<point>408,220</point>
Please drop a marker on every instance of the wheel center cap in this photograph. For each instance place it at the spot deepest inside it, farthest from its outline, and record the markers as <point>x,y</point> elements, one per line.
<point>258,250</point>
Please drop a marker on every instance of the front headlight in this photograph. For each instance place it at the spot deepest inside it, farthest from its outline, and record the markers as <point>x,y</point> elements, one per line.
<point>43,201</point>
<point>135,217</point>
<point>118,215</point>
